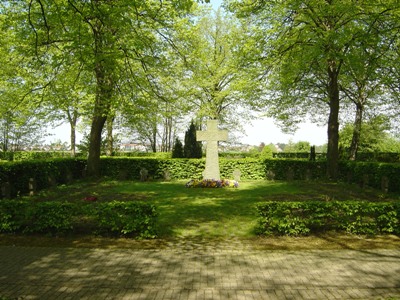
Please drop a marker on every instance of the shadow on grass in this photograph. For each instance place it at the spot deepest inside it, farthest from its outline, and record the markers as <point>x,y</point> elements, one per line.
<point>230,212</point>
<point>197,216</point>
<point>214,212</point>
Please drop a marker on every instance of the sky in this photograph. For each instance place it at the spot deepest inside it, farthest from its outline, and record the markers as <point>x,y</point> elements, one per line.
<point>259,131</point>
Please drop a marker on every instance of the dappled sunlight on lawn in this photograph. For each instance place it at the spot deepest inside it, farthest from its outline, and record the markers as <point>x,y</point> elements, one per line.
<point>208,212</point>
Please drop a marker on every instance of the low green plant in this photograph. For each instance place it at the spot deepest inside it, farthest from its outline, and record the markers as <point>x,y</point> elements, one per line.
<point>127,218</point>
<point>134,219</point>
<point>50,217</point>
<point>12,215</point>
<point>302,218</point>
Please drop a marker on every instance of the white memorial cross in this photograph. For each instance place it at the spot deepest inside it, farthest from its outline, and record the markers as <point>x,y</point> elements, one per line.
<point>212,135</point>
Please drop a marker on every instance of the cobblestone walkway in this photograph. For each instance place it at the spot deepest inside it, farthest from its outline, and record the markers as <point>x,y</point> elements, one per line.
<point>209,273</point>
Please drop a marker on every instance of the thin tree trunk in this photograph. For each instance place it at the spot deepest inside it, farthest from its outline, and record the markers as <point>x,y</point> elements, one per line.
<point>110,138</point>
<point>154,139</point>
<point>355,142</point>
<point>73,141</point>
<point>72,122</point>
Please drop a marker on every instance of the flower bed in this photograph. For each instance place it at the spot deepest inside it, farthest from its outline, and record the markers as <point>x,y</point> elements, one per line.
<point>212,183</point>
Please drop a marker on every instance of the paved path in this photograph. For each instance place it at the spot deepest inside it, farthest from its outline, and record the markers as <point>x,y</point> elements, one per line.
<point>206,273</point>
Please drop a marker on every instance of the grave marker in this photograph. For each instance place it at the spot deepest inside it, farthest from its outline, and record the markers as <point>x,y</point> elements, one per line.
<point>212,136</point>
<point>6,190</point>
<point>236,174</point>
<point>32,186</point>
<point>144,174</point>
<point>167,175</point>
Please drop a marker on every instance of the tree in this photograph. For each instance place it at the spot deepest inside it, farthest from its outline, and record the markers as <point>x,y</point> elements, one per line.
<point>21,117</point>
<point>112,39</point>
<point>375,137</point>
<point>192,148</point>
<point>267,151</point>
<point>303,46</point>
<point>364,79</point>
<point>20,132</point>
<point>177,150</point>
<point>301,146</point>
<point>209,68</point>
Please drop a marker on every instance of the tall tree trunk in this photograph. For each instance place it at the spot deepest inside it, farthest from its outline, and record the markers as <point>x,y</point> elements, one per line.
<point>93,161</point>
<point>73,119</point>
<point>73,141</point>
<point>110,138</point>
<point>355,141</point>
<point>154,139</point>
<point>104,92</point>
<point>333,122</point>
<point>103,69</point>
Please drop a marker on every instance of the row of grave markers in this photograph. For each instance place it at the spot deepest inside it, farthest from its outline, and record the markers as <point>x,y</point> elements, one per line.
<point>212,136</point>
<point>6,187</point>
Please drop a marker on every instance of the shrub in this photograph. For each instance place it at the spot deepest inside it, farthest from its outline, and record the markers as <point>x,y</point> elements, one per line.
<point>50,217</point>
<point>43,171</point>
<point>300,218</point>
<point>63,170</point>
<point>134,219</point>
<point>12,215</point>
<point>127,218</point>
<point>371,174</point>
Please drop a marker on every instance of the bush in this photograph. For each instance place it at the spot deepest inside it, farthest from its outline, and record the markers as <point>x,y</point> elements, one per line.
<point>45,173</point>
<point>12,215</point>
<point>371,174</point>
<point>48,172</point>
<point>50,217</point>
<point>301,218</point>
<point>134,219</point>
<point>127,218</point>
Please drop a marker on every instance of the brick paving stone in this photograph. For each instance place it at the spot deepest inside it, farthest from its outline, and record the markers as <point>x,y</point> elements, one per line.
<point>180,272</point>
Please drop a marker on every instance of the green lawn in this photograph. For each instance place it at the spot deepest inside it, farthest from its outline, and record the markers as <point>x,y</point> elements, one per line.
<point>210,215</point>
<point>206,212</point>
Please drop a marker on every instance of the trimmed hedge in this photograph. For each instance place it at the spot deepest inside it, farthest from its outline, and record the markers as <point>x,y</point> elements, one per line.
<point>385,176</point>
<point>302,218</point>
<point>133,219</point>
<point>45,173</point>
<point>371,174</point>
<point>251,168</point>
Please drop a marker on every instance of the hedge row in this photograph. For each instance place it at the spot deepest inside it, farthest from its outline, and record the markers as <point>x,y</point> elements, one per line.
<point>133,219</point>
<point>45,172</point>
<point>34,155</point>
<point>250,168</point>
<point>385,176</point>
<point>59,171</point>
<point>302,218</point>
<point>378,175</point>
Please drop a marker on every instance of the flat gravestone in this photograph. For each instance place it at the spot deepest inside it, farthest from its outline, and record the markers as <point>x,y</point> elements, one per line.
<point>212,136</point>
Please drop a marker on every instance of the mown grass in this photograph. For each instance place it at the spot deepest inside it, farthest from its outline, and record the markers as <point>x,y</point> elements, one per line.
<point>219,214</point>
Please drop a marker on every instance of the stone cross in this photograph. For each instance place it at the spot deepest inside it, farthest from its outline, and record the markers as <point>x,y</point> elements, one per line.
<point>212,136</point>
